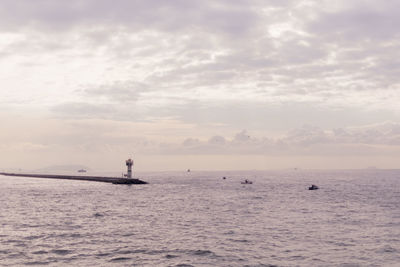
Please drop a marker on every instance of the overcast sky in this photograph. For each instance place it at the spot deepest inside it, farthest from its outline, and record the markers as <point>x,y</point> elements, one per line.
<point>196,84</point>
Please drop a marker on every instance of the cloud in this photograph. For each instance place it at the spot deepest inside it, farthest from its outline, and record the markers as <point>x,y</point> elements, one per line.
<point>120,92</point>
<point>183,47</point>
<point>217,140</point>
<point>306,136</point>
<point>365,20</point>
<point>242,137</point>
<point>191,142</point>
<point>223,16</point>
<point>89,140</point>
<point>186,75</point>
<point>307,140</point>
<point>83,110</point>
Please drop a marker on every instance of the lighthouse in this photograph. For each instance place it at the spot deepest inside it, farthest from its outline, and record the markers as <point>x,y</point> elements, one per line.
<point>129,164</point>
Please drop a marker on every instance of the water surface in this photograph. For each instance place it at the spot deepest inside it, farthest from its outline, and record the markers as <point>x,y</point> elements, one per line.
<point>199,219</point>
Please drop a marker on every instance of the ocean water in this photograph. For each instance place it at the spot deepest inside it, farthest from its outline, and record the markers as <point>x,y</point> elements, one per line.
<point>199,219</point>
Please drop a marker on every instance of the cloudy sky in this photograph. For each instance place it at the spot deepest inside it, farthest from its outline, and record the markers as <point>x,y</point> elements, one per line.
<point>200,84</point>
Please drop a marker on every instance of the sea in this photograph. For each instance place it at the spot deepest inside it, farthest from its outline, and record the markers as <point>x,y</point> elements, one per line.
<point>198,218</point>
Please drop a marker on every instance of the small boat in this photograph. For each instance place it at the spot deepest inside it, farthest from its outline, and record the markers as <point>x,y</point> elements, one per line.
<point>82,170</point>
<point>246,182</point>
<point>313,187</point>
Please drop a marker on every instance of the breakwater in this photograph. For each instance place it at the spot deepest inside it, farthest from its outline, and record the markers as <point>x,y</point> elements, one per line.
<point>113,180</point>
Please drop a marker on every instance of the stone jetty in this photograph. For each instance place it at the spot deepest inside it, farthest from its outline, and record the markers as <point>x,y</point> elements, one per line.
<point>113,180</point>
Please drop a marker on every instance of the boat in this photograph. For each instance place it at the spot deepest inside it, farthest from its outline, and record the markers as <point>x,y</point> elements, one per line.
<point>246,182</point>
<point>313,187</point>
<point>82,170</point>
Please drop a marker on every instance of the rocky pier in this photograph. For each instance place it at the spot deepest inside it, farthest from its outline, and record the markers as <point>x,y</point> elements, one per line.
<point>113,180</point>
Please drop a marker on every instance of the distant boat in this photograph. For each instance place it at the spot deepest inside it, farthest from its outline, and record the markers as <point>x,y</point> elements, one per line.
<point>246,182</point>
<point>188,170</point>
<point>82,170</point>
<point>313,187</point>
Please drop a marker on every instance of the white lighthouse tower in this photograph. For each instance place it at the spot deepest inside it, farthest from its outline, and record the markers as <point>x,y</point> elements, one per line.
<point>129,163</point>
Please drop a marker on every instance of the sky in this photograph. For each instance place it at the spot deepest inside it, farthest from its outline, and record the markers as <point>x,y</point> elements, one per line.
<point>200,84</point>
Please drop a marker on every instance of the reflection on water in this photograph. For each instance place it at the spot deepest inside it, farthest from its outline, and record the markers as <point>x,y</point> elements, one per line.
<point>198,218</point>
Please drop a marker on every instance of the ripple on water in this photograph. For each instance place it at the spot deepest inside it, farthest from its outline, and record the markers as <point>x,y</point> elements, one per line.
<point>388,249</point>
<point>40,252</point>
<point>61,251</point>
<point>40,263</point>
<point>133,251</point>
<point>33,237</point>
<point>229,232</point>
<point>200,252</point>
<point>118,259</point>
<point>169,256</point>
<point>5,251</point>
<point>239,240</point>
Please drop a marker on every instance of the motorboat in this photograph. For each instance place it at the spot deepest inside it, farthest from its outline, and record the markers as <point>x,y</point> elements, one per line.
<point>313,187</point>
